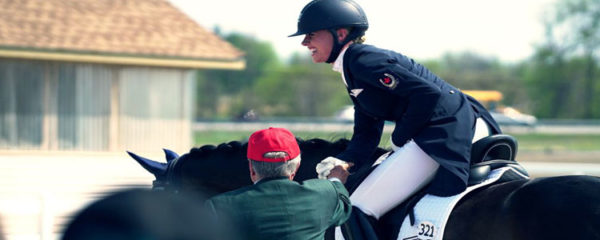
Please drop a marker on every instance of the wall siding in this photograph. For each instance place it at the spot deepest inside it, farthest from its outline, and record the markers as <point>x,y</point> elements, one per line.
<point>21,85</point>
<point>71,106</point>
<point>155,105</point>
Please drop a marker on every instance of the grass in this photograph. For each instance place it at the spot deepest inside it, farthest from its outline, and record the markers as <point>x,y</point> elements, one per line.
<point>558,142</point>
<point>527,142</point>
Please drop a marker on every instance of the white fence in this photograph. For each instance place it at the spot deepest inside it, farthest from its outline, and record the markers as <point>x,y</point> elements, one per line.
<point>40,193</point>
<point>328,125</point>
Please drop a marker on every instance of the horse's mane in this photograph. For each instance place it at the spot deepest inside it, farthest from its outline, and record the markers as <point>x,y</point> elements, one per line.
<point>208,150</point>
<point>318,143</point>
<point>306,146</point>
<point>309,144</point>
<point>224,167</point>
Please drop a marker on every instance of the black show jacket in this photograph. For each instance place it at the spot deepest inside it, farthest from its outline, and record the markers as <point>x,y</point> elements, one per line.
<point>388,86</point>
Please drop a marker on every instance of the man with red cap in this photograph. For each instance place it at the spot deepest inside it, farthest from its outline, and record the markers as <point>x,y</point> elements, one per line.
<point>276,207</point>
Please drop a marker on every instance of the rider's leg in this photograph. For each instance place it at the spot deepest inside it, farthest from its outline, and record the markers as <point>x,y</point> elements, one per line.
<point>399,176</point>
<point>402,174</point>
<point>481,130</point>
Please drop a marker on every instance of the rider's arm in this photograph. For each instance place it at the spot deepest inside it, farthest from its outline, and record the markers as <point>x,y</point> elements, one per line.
<point>365,139</point>
<point>410,82</point>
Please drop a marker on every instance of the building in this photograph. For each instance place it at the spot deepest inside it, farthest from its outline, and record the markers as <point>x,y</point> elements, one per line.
<point>87,75</point>
<point>81,81</point>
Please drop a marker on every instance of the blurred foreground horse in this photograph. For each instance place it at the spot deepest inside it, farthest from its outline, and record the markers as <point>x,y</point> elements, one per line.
<point>517,208</point>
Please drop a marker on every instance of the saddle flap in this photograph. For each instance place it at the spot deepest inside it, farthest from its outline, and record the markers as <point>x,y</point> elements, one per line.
<point>480,171</point>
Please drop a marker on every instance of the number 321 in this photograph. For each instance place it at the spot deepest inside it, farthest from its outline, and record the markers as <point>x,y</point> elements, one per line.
<point>426,229</point>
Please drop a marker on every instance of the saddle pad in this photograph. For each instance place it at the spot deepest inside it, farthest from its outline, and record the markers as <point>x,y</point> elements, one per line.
<point>432,212</point>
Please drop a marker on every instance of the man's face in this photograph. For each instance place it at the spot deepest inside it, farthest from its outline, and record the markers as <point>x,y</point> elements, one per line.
<point>319,43</point>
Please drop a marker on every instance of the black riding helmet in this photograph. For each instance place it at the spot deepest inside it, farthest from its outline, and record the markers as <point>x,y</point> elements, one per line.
<point>331,15</point>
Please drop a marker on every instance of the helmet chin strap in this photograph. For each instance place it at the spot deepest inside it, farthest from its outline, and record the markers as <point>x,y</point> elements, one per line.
<point>337,45</point>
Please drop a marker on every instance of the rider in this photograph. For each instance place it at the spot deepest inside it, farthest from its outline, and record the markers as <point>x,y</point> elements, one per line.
<point>435,123</point>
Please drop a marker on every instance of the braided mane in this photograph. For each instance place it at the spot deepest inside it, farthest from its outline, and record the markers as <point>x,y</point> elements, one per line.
<point>215,169</point>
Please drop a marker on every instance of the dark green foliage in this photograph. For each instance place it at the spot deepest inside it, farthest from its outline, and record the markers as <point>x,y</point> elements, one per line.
<point>225,93</point>
<point>269,87</point>
<point>469,71</point>
<point>301,89</point>
<point>560,80</point>
<point>562,77</point>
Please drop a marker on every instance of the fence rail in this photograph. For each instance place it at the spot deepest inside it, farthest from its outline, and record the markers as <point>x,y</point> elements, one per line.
<point>546,126</point>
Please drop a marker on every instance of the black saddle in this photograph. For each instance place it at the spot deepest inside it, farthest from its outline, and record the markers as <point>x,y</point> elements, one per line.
<point>494,152</point>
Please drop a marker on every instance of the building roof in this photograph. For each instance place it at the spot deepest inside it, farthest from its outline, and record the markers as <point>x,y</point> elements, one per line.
<point>139,32</point>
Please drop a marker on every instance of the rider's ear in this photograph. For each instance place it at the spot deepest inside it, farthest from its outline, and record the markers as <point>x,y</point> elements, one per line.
<point>342,33</point>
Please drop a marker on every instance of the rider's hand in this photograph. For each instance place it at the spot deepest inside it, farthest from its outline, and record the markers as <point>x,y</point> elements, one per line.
<point>324,167</point>
<point>340,172</point>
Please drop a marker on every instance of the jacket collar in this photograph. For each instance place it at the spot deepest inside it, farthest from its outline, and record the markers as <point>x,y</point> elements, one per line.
<point>338,65</point>
<point>263,180</point>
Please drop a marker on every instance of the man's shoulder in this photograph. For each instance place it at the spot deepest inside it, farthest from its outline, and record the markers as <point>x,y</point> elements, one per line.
<point>232,194</point>
<point>262,186</point>
<point>316,182</point>
<point>322,184</point>
<point>288,184</point>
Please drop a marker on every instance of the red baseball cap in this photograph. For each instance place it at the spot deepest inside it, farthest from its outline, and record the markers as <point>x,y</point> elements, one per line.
<point>272,140</point>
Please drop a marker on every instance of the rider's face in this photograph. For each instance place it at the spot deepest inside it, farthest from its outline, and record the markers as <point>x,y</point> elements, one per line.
<point>319,43</point>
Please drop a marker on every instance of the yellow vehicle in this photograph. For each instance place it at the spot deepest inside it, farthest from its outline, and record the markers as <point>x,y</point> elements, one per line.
<point>489,98</point>
<point>504,115</point>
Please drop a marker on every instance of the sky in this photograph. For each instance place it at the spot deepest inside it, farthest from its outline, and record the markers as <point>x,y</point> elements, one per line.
<point>425,29</point>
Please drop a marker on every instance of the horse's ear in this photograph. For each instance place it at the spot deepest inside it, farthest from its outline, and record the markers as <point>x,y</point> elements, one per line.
<point>170,155</point>
<point>156,168</point>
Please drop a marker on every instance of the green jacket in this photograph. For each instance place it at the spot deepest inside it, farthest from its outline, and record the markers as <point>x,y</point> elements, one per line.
<point>281,209</point>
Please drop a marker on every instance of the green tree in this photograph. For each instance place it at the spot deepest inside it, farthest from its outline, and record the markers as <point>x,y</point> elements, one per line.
<point>545,77</point>
<point>301,89</point>
<point>227,93</point>
<point>575,29</point>
<point>470,71</point>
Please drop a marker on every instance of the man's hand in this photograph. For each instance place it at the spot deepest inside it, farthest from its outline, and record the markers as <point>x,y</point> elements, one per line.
<point>340,172</point>
<point>324,167</point>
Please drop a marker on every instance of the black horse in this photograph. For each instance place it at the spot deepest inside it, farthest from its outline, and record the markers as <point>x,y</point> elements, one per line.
<point>563,207</point>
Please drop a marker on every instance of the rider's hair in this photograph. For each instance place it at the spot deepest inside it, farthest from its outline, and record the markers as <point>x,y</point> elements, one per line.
<point>275,169</point>
<point>360,39</point>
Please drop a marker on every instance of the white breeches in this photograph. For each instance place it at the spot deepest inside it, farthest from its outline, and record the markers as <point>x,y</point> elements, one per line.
<point>402,174</point>
<point>399,176</point>
<point>481,130</point>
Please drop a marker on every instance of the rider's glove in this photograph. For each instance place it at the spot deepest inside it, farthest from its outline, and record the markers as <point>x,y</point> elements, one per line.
<point>324,167</point>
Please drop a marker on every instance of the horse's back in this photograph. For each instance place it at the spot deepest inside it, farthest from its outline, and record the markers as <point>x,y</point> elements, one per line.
<point>480,214</point>
<point>565,207</point>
